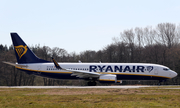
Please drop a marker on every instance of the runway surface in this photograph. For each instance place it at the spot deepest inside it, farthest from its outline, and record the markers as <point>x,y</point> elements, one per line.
<point>125,87</point>
<point>120,87</point>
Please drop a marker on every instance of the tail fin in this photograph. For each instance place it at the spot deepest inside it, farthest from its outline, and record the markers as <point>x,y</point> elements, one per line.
<point>22,51</point>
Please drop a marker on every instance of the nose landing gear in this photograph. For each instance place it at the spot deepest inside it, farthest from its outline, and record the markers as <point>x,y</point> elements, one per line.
<point>160,82</point>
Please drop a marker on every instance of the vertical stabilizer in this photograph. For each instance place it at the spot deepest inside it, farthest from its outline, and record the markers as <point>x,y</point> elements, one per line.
<point>22,51</point>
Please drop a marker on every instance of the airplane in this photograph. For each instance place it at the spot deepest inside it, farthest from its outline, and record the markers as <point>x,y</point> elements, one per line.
<point>92,72</point>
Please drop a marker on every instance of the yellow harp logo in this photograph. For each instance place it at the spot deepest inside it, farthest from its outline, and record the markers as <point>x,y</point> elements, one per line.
<point>21,50</point>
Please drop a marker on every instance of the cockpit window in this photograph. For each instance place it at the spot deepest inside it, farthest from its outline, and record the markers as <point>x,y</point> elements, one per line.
<point>166,69</point>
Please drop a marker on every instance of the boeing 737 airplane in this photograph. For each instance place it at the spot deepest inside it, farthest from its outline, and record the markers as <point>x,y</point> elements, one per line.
<point>103,72</point>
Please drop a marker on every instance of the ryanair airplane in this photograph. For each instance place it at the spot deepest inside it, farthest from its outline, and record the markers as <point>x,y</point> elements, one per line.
<point>103,72</point>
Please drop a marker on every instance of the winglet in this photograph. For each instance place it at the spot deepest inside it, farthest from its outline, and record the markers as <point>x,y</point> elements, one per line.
<point>56,64</point>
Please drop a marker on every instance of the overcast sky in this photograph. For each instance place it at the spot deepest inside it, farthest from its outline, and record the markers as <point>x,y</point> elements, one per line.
<point>79,25</point>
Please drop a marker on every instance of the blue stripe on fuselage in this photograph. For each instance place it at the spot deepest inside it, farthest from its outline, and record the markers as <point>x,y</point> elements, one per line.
<point>67,75</point>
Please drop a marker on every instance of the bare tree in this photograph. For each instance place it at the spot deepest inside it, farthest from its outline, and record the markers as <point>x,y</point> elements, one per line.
<point>128,36</point>
<point>167,34</point>
<point>149,35</point>
<point>58,53</point>
<point>140,36</point>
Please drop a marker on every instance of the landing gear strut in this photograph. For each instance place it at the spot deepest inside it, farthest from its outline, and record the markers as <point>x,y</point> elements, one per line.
<point>91,83</point>
<point>159,83</point>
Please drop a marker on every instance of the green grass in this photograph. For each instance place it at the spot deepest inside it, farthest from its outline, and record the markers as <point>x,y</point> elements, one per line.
<point>89,98</point>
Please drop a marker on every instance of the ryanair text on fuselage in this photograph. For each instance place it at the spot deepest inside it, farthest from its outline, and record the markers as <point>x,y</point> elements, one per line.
<point>115,68</point>
<point>110,68</point>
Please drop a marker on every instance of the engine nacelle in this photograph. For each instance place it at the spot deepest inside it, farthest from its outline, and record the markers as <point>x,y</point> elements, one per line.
<point>119,81</point>
<point>107,78</point>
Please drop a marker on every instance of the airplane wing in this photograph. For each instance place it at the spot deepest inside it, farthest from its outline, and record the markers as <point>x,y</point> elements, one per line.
<point>13,64</point>
<point>78,73</point>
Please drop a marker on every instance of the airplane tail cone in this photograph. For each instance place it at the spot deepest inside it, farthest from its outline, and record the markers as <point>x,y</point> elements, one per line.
<point>22,51</point>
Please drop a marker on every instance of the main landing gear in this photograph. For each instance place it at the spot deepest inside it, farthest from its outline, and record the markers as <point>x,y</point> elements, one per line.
<point>91,83</point>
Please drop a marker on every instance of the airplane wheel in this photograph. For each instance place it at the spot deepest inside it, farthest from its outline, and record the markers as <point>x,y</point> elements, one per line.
<point>93,83</point>
<point>89,83</point>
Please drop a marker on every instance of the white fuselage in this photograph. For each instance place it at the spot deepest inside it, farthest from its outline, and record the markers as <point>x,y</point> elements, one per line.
<point>124,71</point>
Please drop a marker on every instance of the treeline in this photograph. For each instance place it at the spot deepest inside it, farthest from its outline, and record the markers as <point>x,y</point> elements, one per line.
<point>159,45</point>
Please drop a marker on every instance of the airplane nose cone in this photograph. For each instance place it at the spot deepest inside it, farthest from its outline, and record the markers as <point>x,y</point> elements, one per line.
<point>174,74</point>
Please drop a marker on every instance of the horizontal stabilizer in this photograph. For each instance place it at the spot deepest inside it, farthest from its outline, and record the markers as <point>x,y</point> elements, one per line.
<point>13,64</point>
